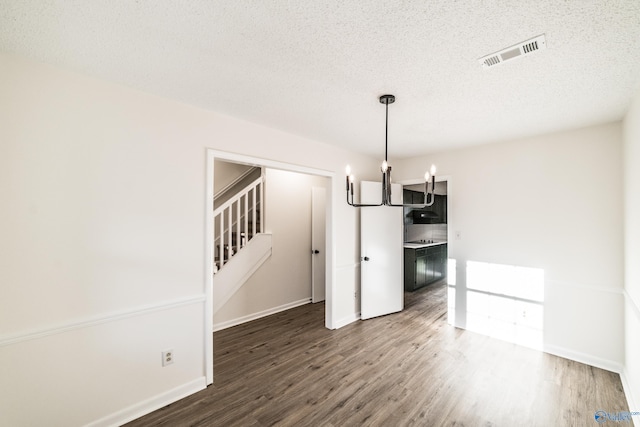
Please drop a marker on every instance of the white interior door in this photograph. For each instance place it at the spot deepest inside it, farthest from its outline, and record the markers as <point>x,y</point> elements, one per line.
<point>381,253</point>
<point>318,243</point>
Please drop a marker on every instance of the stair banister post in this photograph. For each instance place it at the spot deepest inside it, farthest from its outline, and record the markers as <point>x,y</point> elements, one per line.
<point>261,206</point>
<point>238,226</point>
<point>253,212</point>
<point>229,231</point>
<point>246,217</point>
<point>221,254</point>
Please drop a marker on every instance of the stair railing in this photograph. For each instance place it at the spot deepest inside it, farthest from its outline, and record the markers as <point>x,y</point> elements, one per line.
<point>237,220</point>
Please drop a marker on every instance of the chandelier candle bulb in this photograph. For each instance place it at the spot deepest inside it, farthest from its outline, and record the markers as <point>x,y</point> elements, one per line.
<point>348,173</point>
<point>426,186</point>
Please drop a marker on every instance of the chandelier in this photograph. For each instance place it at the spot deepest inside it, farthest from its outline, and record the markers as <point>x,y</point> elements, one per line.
<point>429,197</point>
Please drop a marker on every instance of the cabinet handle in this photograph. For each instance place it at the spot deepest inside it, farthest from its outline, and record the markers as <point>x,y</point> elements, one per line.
<point>316,251</point>
<point>366,258</point>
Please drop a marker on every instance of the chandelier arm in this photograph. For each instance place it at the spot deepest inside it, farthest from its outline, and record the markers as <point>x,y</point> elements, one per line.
<point>426,205</point>
<point>361,205</point>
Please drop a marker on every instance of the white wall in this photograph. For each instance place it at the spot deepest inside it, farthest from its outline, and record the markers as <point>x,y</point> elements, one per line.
<point>225,173</point>
<point>554,203</point>
<point>284,280</point>
<point>102,225</point>
<point>632,252</point>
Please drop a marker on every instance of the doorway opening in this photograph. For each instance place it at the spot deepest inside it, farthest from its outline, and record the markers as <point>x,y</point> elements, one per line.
<point>287,213</point>
<point>426,241</point>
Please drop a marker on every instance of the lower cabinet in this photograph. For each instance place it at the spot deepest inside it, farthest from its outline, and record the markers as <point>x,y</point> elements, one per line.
<point>424,266</point>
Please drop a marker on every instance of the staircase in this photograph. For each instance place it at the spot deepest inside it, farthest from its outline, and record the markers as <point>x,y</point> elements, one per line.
<point>241,246</point>
<point>237,221</point>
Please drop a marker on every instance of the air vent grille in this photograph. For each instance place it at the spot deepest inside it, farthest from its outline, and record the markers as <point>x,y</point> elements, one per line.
<point>530,47</point>
<point>524,48</point>
<point>493,60</point>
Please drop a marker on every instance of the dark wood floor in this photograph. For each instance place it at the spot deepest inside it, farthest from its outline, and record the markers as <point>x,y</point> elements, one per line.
<point>405,369</point>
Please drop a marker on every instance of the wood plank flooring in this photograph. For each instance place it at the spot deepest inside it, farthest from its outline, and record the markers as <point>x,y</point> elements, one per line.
<point>405,369</point>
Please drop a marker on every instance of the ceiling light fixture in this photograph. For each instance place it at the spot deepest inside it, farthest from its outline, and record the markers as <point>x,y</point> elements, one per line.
<point>386,173</point>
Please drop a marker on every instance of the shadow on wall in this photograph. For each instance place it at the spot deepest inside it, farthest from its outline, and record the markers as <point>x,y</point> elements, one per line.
<point>501,301</point>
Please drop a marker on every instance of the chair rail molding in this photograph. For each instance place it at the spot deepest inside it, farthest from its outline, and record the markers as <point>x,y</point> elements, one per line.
<point>87,322</point>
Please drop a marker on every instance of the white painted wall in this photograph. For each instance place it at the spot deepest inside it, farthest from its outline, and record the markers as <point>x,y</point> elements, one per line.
<point>284,280</point>
<point>102,225</point>
<point>226,173</point>
<point>552,202</point>
<point>632,253</point>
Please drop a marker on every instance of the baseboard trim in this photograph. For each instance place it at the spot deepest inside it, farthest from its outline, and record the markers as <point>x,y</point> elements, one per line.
<point>587,359</point>
<point>347,320</point>
<point>147,406</point>
<point>264,313</point>
<point>633,403</point>
<point>97,320</point>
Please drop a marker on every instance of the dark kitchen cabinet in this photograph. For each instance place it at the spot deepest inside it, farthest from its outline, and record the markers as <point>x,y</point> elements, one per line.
<point>412,197</point>
<point>424,266</point>
<point>434,214</point>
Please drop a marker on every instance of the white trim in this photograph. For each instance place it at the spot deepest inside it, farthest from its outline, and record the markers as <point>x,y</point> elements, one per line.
<point>209,251</point>
<point>587,359</point>
<point>147,406</point>
<point>273,164</point>
<point>347,320</point>
<point>632,400</point>
<point>97,320</point>
<point>331,253</point>
<point>633,403</point>
<point>259,315</point>
<point>584,286</point>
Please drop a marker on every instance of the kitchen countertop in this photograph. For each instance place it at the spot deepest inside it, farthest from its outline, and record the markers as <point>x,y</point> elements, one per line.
<point>420,245</point>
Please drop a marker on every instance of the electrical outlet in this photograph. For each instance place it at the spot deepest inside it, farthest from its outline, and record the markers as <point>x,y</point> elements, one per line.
<point>167,357</point>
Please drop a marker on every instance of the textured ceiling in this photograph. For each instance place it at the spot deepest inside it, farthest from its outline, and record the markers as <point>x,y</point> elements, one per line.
<point>316,68</point>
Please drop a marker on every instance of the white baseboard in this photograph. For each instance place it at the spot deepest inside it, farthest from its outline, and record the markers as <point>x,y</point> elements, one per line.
<point>634,404</point>
<point>147,406</point>
<point>587,359</point>
<point>248,318</point>
<point>346,320</point>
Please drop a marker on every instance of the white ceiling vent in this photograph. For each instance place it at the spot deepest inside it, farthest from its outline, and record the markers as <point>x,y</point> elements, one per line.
<point>526,47</point>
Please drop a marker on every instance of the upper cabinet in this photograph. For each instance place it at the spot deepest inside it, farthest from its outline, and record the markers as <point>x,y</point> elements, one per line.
<point>434,214</point>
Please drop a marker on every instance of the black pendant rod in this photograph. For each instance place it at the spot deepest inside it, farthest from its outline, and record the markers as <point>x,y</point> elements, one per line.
<point>386,130</point>
<point>386,100</point>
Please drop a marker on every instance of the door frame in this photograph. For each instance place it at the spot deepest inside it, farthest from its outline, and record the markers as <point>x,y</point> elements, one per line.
<point>318,194</point>
<point>450,228</point>
<point>211,155</point>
